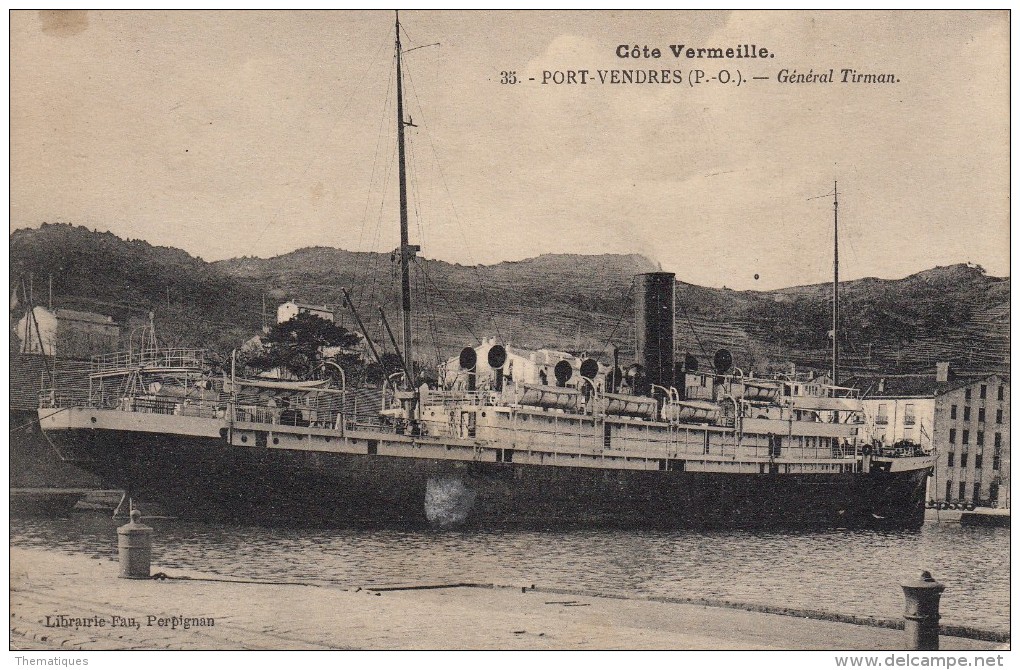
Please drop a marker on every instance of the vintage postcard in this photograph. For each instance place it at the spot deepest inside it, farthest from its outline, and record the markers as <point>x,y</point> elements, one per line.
<point>510,330</point>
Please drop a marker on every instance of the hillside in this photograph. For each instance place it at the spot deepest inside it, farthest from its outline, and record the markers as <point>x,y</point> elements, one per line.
<point>554,300</point>
<point>194,303</point>
<point>569,302</point>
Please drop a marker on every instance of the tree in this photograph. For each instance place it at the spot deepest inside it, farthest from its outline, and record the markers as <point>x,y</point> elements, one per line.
<point>297,345</point>
<point>376,374</point>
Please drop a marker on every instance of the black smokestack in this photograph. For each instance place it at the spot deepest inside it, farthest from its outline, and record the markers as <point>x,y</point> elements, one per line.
<point>654,315</point>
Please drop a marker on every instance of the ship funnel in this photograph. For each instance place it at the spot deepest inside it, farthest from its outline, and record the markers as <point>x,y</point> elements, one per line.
<point>654,313</point>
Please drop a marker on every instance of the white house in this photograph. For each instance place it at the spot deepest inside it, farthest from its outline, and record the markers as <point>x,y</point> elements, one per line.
<point>292,308</point>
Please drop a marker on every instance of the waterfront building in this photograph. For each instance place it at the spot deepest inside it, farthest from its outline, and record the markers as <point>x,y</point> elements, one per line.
<point>965,419</point>
<point>66,333</point>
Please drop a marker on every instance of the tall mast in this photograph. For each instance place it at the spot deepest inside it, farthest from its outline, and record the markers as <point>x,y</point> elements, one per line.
<point>407,251</point>
<point>835,285</point>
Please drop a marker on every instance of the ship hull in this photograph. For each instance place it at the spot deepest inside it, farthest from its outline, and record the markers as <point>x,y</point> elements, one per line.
<point>205,478</point>
<point>33,463</point>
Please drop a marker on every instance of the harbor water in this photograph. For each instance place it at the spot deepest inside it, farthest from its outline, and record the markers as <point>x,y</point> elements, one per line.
<point>851,572</point>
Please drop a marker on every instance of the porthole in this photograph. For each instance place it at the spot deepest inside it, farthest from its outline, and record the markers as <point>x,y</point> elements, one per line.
<point>276,440</point>
<point>244,438</point>
<point>93,419</point>
<point>483,413</point>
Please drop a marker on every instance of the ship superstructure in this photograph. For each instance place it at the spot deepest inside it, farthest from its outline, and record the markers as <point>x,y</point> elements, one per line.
<point>492,447</point>
<point>508,437</point>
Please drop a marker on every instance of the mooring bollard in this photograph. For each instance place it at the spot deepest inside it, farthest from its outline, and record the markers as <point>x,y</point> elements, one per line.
<point>134,547</point>
<point>921,617</point>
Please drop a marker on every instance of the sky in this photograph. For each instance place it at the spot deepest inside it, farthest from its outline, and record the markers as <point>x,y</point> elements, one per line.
<point>256,133</point>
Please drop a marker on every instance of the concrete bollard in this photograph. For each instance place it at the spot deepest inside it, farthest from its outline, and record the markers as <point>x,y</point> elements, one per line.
<point>134,547</point>
<point>921,616</point>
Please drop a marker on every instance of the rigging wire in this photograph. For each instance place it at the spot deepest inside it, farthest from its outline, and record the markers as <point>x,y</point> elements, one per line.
<point>383,190</point>
<point>430,320</point>
<point>849,224</point>
<point>378,232</point>
<point>449,195</point>
<point>412,180</point>
<point>626,302</point>
<point>448,303</point>
<point>36,420</point>
<point>416,201</point>
<point>332,129</point>
<point>691,326</point>
<point>426,307</point>
<point>359,289</point>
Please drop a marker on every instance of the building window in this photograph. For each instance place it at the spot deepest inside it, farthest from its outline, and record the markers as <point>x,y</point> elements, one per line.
<point>977,491</point>
<point>952,436</point>
<point>984,391</point>
<point>966,394</point>
<point>908,414</point>
<point>963,460</point>
<point>981,414</point>
<point>966,437</point>
<point>978,458</point>
<point>952,411</point>
<point>963,490</point>
<point>981,438</point>
<point>997,458</point>
<point>1002,392</point>
<point>998,416</point>
<point>993,493</point>
<point>998,441</point>
<point>949,489</point>
<point>951,459</point>
<point>966,413</point>
<point>883,415</point>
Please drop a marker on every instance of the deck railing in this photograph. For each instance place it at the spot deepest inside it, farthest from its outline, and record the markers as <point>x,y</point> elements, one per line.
<point>53,398</point>
<point>461,398</point>
<point>149,358</point>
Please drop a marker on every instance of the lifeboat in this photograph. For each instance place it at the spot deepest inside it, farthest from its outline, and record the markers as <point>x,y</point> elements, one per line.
<point>691,411</point>
<point>760,390</point>
<point>619,404</point>
<point>550,397</point>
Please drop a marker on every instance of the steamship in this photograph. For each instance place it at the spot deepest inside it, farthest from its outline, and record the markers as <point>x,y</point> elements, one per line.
<point>507,437</point>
